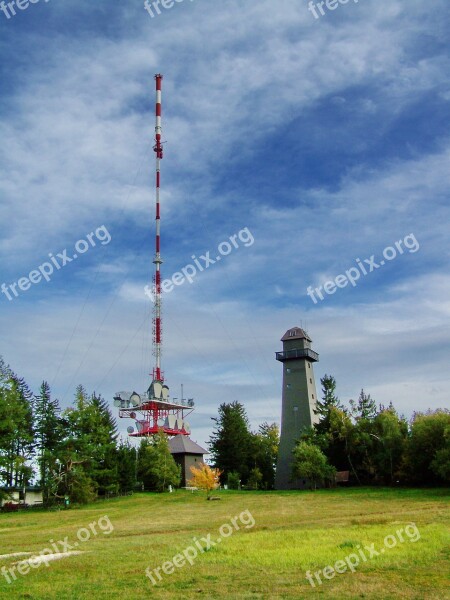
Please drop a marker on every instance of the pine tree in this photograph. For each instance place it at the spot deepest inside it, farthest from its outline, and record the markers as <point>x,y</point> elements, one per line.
<point>157,468</point>
<point>10,410</point>
<point>106,417</point>
<point>106,470</point>
<point>25,437</point>
<point>88,450</point>
<point>364,408</point>
<point>231,442</point>
<point>126,467</point>
<point>329,400</point>
<point>364,412</point>
<point>322,435</point>
<point>16,428</point>
<point>48,428</point>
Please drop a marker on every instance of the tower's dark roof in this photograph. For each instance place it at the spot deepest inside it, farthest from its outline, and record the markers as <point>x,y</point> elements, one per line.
<point>295,333</point>
<point>181,444</point>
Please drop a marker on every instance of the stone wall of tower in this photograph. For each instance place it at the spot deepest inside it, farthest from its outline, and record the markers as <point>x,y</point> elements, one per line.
<point>299,399</point>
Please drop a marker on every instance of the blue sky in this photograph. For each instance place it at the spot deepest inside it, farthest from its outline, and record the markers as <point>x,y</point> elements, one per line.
<point>327,138</point>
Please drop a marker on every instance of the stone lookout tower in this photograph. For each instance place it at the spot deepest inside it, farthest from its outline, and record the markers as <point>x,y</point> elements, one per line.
<point>299,399</point>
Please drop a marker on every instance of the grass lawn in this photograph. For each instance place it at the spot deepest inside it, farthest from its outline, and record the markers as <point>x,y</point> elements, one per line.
<point>293,532</point>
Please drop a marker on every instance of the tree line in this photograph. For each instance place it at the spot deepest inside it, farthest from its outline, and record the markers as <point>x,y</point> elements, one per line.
<point>375,444</point>
<point>76,453</point>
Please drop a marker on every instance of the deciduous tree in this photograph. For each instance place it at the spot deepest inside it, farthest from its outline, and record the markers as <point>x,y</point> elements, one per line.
<point>311,463</point>
<point>428,447</point>
<point>205,478</point>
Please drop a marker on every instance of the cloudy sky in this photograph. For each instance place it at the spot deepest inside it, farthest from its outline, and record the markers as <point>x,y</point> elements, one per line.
<point>324,138</point>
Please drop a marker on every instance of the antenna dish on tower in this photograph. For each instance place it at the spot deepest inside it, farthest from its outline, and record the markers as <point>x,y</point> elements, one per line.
<point>156,390</point>
<point>135,399</point>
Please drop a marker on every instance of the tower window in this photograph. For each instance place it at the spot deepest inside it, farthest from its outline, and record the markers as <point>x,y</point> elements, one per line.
<point>312,396</point>
<point>310,380</point>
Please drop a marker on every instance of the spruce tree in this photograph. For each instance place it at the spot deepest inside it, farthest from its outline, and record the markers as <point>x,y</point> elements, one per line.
<point>157,468</point>
<point>364,407</point>
<point>231,443</point>
<point>329,400</point>
<point>88,448</point>
<point>126,467</point>
<point>49,433</point>
<point>106,469</point>
<point>16,428</point>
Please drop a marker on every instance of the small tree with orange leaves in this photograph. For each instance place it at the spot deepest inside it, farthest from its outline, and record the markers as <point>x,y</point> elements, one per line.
<point>205,478</point>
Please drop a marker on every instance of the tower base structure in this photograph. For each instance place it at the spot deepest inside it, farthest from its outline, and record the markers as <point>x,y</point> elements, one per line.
<point>299,399</point>
<point>154,412</point>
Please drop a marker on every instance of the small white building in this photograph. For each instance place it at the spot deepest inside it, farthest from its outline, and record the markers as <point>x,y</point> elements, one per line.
<point>31,495</point>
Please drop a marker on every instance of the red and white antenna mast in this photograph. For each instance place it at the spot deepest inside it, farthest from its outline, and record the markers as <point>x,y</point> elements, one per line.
<point>153,410</point>
<point>157,319</point>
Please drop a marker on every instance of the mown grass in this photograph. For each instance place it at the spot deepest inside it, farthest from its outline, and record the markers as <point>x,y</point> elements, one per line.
<point>293,532</point>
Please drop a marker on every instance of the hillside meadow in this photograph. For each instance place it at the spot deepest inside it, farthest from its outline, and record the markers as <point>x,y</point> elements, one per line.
<point>355,543</point>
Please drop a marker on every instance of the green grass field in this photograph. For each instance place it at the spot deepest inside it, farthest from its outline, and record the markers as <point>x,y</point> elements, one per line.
<point>293,532</point>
